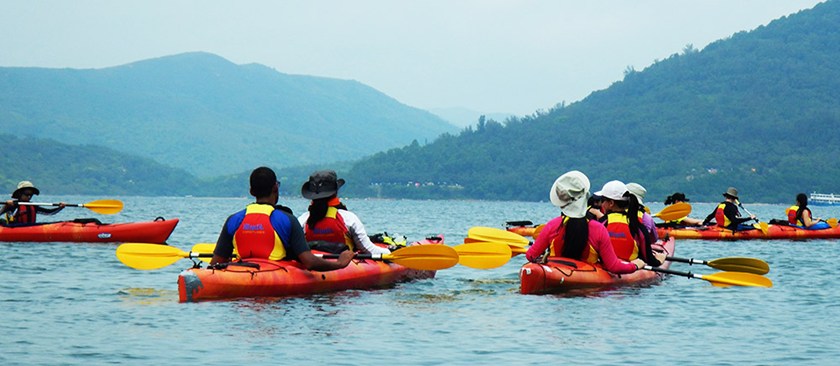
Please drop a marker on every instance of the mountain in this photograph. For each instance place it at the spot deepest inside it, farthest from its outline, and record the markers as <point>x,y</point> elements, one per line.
<point>759,110</point>
<point>208,116</point>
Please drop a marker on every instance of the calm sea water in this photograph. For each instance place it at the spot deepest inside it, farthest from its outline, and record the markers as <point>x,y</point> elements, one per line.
<point>65,303</point>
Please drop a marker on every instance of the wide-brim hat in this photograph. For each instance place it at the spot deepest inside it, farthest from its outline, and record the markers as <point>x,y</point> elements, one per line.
<point>24,185</point>
<point>569,192</point>
<point>637,190</point>
<point>321,184</point>
<point>613,190</point>
<point>731,192</point>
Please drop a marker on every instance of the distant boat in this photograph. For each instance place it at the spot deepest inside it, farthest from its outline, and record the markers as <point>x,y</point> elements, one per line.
<point>823,199</point>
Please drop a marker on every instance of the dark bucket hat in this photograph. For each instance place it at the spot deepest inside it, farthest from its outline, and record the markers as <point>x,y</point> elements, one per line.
<point>321,184</point>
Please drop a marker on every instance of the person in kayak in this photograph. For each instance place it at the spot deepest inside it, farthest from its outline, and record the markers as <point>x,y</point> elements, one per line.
<point>678,197</point>
<point>639,192</point>
<point>328,222</point>
<point>630,238</point>
<point>593,210</point>
<point>267,230</point>
<point>572,235</point>
<point>13,212</point>
<point>726,214</point>
<point>800,215</point>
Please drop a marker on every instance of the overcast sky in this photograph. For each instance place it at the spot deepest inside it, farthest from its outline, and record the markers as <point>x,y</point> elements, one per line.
<point>507,56</point>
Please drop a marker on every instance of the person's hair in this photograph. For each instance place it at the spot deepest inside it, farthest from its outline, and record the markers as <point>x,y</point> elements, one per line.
<point>263,180</point>
<point>669,200</point>
<point>576,237</point>
<point>802,202</point>
<point>318,210</point>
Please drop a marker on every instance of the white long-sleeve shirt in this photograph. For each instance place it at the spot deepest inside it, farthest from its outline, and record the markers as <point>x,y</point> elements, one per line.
<point>356,231</point>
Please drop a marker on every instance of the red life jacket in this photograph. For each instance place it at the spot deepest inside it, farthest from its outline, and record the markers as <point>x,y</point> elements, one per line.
<point>791,214</point>
<point>720,216</point>
<point>255,237</point>
<point>622,240</point>
<point>330,229</point>
<point>25,214</point>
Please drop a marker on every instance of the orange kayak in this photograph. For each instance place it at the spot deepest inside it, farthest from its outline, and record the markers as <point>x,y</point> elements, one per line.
<point>773,232</point>
<point>92,231</point>
<point>563,274</point>
<point>268,278</point>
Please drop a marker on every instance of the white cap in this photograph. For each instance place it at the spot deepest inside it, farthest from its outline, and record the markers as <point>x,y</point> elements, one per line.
<point>637,190</point>
<point>613,190</point>
<point>569,193</point>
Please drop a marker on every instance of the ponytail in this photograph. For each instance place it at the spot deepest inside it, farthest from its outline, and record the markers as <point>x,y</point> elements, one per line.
<point>576,237</point>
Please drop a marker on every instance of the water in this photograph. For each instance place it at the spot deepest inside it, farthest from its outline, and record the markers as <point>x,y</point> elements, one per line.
<point>66,303</point>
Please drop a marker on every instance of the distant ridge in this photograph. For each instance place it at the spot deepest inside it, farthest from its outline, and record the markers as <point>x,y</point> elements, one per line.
<point>201,113</point>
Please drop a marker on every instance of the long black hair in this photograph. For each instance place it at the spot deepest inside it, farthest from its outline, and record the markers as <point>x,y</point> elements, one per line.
<point>576,237</point>
<point>802,202</point>
<point>318,210</point>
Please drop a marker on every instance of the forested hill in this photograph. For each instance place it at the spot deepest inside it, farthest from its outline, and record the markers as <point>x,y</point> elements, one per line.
<point>759,110</point>
<point>204,114</point>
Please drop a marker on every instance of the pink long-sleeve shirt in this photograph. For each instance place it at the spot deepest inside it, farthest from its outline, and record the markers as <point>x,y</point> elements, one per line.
<point>599,239</point>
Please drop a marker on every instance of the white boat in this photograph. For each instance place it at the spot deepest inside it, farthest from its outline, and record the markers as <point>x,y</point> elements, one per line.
<point>824,199</point>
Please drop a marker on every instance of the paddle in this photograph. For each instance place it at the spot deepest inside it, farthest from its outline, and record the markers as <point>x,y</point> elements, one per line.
<point>482,233</point>
<point>483,255</point>
<point>674,212</point>
<point>146,256</point>
<point>763,226</point>
<point>474,255</point>
<point>832,222</point>
<point>105,207</point>
<point>734,264</point>
<point>722,279</point>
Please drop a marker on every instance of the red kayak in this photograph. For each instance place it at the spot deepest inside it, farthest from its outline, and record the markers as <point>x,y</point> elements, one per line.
<point>773,232</point>
<point>563,274</point>
<point>268,278</point>
<point>91,230</point>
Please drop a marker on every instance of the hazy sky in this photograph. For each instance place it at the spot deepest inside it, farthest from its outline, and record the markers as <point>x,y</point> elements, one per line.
<point>511,56</point>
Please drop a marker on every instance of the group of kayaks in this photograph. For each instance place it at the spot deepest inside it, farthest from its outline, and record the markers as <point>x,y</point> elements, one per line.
<point>484,248</point>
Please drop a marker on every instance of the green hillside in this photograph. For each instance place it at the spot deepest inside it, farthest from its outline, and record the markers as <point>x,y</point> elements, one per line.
<point>206,115</point>
<point>759,110</point>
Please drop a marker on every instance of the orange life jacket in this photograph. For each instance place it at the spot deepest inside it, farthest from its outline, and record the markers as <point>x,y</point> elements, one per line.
<point>23,214</point>
<point>791,214</point>
<point>720,217</point>
<point>255,237</point>
<point>622,240</point>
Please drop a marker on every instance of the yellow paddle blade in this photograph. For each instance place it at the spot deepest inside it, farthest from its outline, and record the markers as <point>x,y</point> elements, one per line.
<point>483,255</point>
<point>740,264</point>
<point>105,207</point>
<point>146,256</point>
<point>832,222</point>
<point>737,279</point>
<point>518,250</point>
<point>673,212</point>
<point>424,257</point>
<point>764,227</point>
<point>481,233</point>
<point>206,248</point>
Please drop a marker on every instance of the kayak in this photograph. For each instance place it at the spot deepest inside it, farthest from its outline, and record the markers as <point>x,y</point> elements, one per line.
<point>773,232</point>
<point>92,231</point>
<point>269,278</point>
<point>563,274</point>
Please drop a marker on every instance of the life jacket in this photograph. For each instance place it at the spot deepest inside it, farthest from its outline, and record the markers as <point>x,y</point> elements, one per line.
<point>589,254</point>
<point>791,214</point>
<point>720,216</point>
<point>255,237</point>
<point>622,240</point>
<point>23,214</point>
<point>330,229</point>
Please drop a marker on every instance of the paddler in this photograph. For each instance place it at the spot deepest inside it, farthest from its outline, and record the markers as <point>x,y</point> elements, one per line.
<point>15,213</point>
<point>267,230</point>
<point>630,238</point>
<point>800,215</point>
<point>328,224</point>
<point>726,214</point>
<point>678,197</point>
